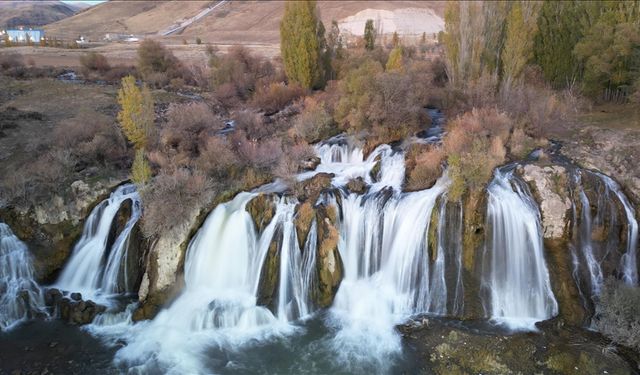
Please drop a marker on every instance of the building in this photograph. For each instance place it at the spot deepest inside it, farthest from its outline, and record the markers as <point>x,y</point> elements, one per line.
<point>23,35</point>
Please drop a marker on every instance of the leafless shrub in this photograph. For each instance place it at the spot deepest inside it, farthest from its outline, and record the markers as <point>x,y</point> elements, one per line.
<point>618,313</point>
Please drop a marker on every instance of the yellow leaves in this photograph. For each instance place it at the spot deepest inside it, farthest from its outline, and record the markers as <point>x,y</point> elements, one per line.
<point>395,63</point>
<point>136,114</point>
<point>140,170</point>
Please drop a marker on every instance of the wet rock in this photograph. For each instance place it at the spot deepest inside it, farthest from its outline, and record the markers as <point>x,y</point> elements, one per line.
<point>261,209</point>
<point>310,164</point>
<point>312,188</point>
<point>357,185</point>
<point>72,309</point>
<point>305,213</point>
<point>550,187</point>
<point>270,274</point>
<point>329,263</point>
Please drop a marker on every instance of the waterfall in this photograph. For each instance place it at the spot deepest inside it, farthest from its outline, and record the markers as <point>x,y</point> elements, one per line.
<point>628,262</point>
<point>218,304</point>
<point>20,295</point>
<point>515,272</point>
<point>98,264</point>
<point>384,248</point>
<point>596,249</point>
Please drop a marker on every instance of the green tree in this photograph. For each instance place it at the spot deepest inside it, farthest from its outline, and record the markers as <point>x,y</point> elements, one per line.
<point>369,35</point>
<point>395,63</point>
<point>302,44</point>
<point>136,114</point>
<point>518,45</point>
<point>610,50</point>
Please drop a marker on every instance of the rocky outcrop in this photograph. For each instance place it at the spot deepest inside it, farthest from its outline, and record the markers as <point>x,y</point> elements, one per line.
<point>51,229</point>
<point>614,152</point>
<point>262,209</point>
<point>270,275</point>
<point>312,188</point>
<point>163,277</point>
<point>329,263</point>
<point>550,186</point>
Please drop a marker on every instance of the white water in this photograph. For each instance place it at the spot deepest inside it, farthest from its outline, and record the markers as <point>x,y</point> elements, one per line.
<point>96,269</point>
<point>628,262</point>
<point>20,295</point>
<point>593,259</point>
<point>515,271</point>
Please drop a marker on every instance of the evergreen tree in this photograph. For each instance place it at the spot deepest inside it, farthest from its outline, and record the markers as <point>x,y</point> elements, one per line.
<point>302,44</point>
<point>369,35</point>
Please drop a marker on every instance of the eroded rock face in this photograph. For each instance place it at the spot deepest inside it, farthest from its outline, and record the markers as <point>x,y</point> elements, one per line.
<point>329,263</point>
<point>550,186</point>
<point>163,277</point>
<point>51,229</point>
<point>614,152</point>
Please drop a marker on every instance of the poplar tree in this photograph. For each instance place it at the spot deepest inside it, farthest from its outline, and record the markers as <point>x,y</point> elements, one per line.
<point>394,63</point>
<point>136,114</point>
<point>518,46</point>
<point>302,44</point>
<point>369,35</point>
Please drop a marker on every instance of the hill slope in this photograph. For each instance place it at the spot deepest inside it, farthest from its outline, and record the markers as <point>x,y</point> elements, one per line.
<point>243,22</point>
<point>33,13</point>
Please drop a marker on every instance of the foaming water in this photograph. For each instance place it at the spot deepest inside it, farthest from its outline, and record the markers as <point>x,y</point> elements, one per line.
<point>20,296</point>
<point>384,248</point>
<point>218,304</point>
<point>515,273</point>
<point>98,265</point>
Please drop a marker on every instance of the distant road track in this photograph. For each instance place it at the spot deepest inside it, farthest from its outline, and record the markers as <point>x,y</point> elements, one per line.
<point>193,19</point>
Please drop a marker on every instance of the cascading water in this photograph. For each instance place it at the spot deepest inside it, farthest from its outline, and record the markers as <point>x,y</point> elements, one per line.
<point>98,264</point>
<point>596,249</point>
<point>628,262</point>
<point>20,296</point>
<point>515,273</point>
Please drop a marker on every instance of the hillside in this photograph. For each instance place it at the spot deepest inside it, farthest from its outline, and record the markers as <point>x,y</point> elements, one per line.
<point>33,13</point>
<point>242,22</point>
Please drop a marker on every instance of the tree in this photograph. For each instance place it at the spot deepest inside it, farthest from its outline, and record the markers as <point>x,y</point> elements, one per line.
<point>394,63</point>
<point>610,50</point>
<point>136,114</point>
<point>140,170</point>
<point>518,45</point>
<point>369,35</point>
<point>302,44</point>
<point>395,39</point>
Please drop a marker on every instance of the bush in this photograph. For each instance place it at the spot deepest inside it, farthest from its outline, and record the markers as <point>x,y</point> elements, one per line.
<point>171,197</point>
<point>11,61</point>
<point>618,313</point>
<point>262,154</point>
<point>274,97</point>
<point>156,64</point>
<point>94,62</point>
<point>426,168</point>
<point>474,145</point>
<point>315,123</point>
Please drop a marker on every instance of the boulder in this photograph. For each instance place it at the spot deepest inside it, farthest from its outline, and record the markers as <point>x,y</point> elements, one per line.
<point>357,185</point>
<point>72,309</point>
